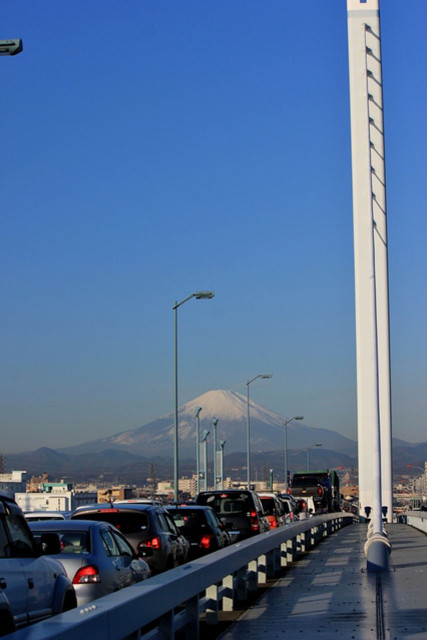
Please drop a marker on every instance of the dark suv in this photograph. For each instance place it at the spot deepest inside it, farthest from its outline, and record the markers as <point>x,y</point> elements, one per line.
<point>201,526</point>
<point>148,528</point>
<point>32,587</point>
<point>241,511</point>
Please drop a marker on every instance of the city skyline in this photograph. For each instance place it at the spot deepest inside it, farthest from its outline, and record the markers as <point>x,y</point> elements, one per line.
<point>153,150</point>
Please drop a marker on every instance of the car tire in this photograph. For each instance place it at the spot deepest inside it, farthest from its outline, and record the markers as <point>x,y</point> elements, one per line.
<point>70,602</point>
<point>6,623</point>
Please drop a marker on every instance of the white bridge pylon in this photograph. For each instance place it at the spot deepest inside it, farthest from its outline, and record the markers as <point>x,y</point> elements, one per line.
<point>371,260</point>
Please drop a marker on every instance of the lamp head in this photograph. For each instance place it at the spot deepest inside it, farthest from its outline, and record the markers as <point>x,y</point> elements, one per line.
<point>10,47</point>
<point>197,410</point>
<point>199,295</point>
<point>265,376</point>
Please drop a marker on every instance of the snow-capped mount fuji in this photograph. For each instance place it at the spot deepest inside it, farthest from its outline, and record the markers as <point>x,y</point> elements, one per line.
<point>267,431</point>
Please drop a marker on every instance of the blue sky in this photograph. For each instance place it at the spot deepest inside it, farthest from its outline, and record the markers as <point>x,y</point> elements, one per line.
<point>155,148</point>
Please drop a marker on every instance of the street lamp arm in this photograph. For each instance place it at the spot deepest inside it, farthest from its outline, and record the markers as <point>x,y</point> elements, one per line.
<point>414,466</point>
<point>265,376</point>
<point>199,295</point>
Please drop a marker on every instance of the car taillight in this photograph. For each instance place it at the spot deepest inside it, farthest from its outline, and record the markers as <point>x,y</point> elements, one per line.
<point>319,490</point>
<point>205,542</point>
<point>153,543</point>
<point>273,521</point>
<point>254,521</point>
<point>87,575</point>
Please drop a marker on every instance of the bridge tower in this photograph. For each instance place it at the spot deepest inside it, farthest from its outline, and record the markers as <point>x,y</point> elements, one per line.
<point>370,257</point>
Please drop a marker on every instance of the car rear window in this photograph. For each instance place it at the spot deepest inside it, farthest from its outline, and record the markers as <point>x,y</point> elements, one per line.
<point>227,504</point>
<point>187,519</point>
<point>70,541</point>
<point>269,506</point>
<point>124,521</point>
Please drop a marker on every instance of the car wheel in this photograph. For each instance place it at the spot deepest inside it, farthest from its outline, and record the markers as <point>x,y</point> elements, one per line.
<point>6,624</point>
<point>70,602</point>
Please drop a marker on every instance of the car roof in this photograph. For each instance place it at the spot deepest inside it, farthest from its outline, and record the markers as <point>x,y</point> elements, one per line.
<point>65,525</point>
<point>45,513</point>
<point>189,507</point>
<point>227,491</point>
<point>104,506</point>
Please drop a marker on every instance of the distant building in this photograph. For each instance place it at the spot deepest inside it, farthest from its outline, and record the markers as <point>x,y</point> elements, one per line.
<point>36,482</point>
<point>54,496</point>
<point>12,483</point>
<point>115,493</point>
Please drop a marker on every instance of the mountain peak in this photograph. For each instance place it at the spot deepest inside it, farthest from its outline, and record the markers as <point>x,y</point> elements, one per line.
<point>228,405</point>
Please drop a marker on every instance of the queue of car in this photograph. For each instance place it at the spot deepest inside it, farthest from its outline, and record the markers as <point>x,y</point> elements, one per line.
<point>52,562</point>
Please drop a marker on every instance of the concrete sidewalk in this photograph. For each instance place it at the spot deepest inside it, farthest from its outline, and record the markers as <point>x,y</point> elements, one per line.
<point>328,594</point>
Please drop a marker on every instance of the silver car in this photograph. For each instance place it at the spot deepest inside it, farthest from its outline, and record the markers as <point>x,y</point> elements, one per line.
<point>97,558</point>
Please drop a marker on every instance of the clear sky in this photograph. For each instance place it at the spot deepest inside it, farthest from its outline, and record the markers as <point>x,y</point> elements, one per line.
<point>152,148</point>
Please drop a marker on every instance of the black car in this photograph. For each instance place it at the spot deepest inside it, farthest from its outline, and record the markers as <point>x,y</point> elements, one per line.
<point>201,526</point>
<point>148,528</point>
<point>240,511</point>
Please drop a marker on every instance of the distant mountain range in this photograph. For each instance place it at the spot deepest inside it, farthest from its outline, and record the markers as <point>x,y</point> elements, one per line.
<point>129,456</point>
<point>267,431</point>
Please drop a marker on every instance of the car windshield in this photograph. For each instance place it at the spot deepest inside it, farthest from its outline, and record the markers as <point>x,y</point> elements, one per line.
<point>125,521</point>
<point>225,504</point>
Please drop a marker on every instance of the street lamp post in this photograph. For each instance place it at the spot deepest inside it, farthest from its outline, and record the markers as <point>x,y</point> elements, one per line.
<point>285,424</point>
<point>222,445</point>
<point>308,454</point>
<point>199,295</point>
<point>264,376</point>
<point>197,411</point>
<point>215,447</point>
<point>205,434</point>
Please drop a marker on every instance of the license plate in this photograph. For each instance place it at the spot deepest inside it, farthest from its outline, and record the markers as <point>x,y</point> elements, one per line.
<point>233,532</point>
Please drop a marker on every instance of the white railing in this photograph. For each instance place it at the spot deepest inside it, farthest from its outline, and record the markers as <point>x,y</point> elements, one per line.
<point>417,519</point>
<point>203,586</point>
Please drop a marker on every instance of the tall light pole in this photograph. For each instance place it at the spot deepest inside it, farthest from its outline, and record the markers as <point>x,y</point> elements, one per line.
<point>264,376</point>
<point>222,445</point>
<point>215,447</point>
<point>205,434</point>
<point>199,295</point>
<point>285,424</point>
<point>308,454</point>
<point>197,411</point>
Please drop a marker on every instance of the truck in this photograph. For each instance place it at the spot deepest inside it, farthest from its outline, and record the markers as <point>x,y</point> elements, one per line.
<point>321,489</point>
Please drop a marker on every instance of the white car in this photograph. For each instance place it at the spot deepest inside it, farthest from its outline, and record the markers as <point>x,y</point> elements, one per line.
<point>36,516</point>
<point>32,587</point>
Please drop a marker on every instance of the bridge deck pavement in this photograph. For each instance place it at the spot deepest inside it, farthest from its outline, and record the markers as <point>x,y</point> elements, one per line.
<point>328,594</point>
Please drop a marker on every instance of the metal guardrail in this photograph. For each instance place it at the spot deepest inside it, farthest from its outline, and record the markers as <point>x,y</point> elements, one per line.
<point>417,519</point>
<point>203,586</point>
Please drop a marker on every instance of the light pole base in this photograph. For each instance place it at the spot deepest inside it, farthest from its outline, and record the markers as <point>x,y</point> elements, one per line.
<point>377,551</point>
